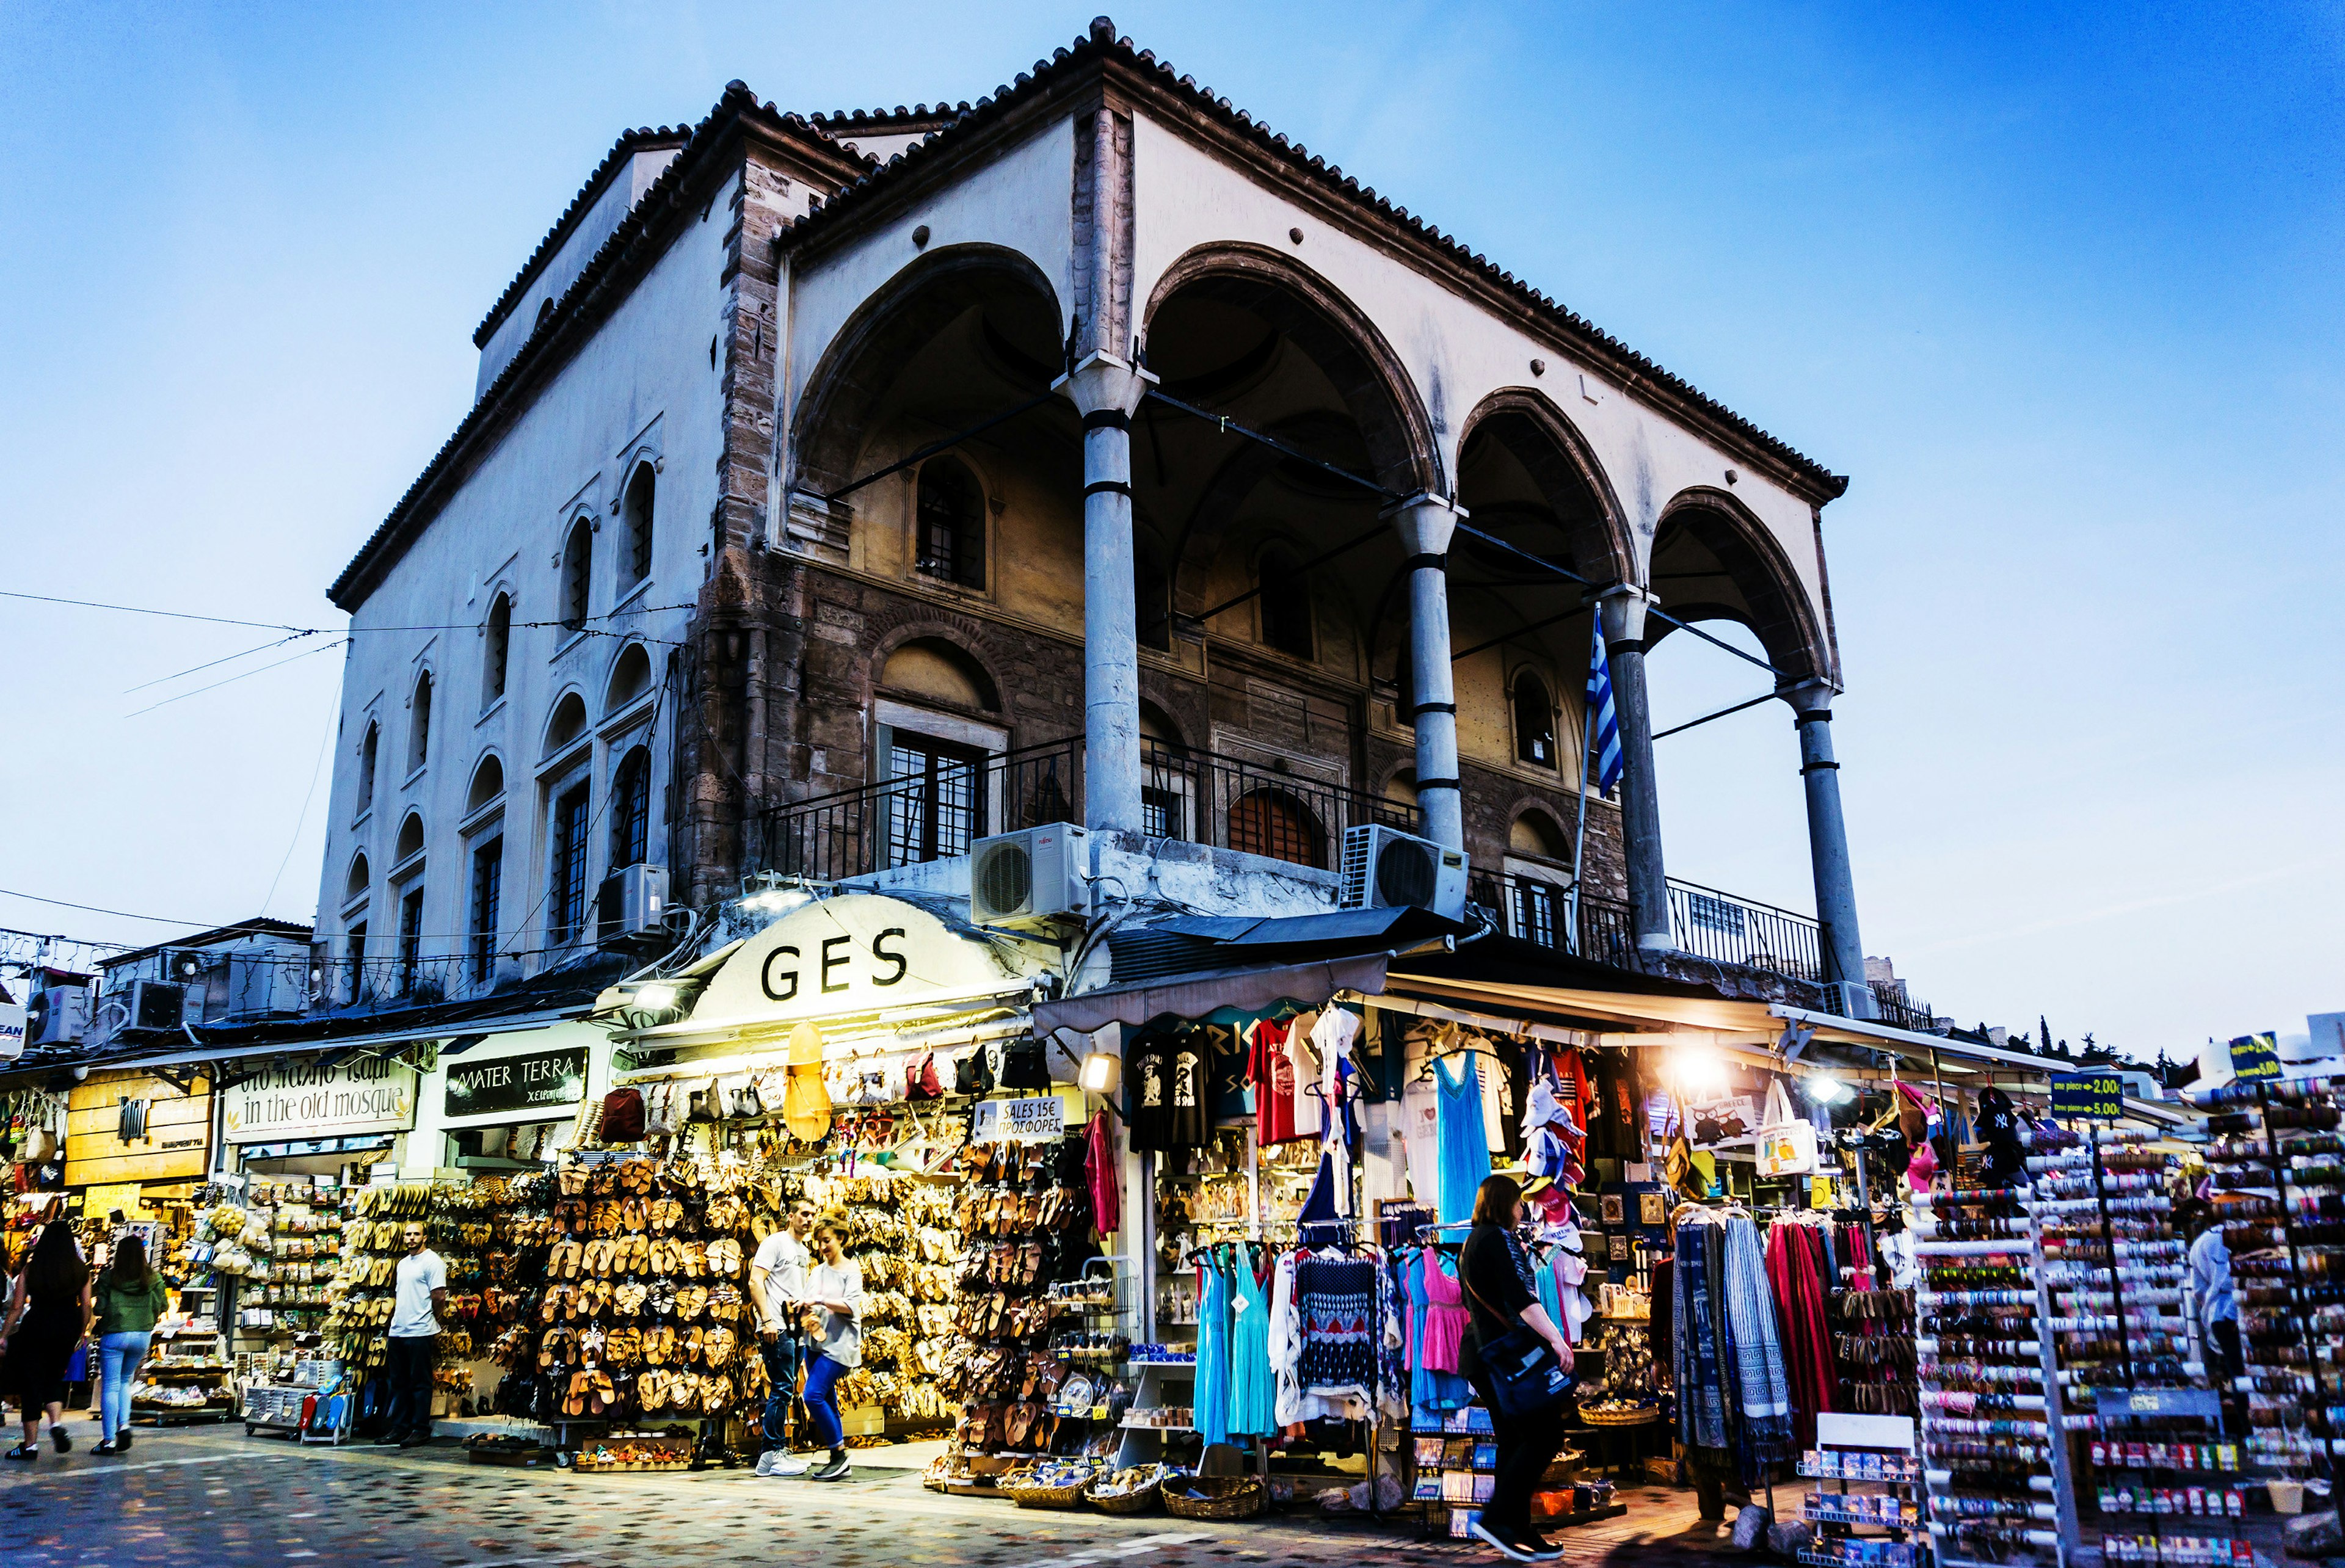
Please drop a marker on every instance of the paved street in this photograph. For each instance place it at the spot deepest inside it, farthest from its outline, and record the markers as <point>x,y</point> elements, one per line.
<point>214,1496</point>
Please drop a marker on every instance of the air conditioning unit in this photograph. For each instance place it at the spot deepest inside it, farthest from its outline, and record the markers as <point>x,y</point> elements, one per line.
<point>60,1016</point>
<point>1385,868</point>
<point>632,905</point>
<point>267,984</point>
<point>1032,877</point>
<point>189,966</point>
<point>156,1005</point>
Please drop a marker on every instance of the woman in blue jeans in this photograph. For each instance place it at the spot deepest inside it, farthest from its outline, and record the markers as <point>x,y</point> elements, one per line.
<point>128,1299</point>
<point>834,1329</point>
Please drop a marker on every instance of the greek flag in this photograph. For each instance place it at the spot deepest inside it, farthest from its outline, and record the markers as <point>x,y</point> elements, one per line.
<point>1602,762</point>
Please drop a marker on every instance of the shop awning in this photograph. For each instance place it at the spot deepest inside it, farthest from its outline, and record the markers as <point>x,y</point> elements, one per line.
<point>1249,990</point>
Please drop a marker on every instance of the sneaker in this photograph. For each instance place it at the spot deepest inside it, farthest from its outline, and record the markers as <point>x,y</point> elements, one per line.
<point>1540,1547</point>
<point>24,1451</point>
<point>786,1463</point>
<point>834,1470</point>
<point>122,1440</point>
<point>1500,1544</point>
<point>57,1435</point>
<point>765,1463</point>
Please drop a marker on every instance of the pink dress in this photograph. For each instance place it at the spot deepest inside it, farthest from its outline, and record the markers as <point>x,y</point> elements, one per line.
<point>1446,1317</point>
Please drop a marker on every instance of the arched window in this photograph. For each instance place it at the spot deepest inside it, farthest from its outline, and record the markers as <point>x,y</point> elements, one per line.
<point>1285,602</point>
<point>369,749</point>
<point>1536,834</point>
<point>568,723</point>
<point>577,576</point>
<point>1269,822</point>
<point>354,887</point>
<point>631,809</point>
<point>951,524</point>
<point>1151,591</point>
<point>630,677</point>
<point>419,723</point>
<point>636,511</point>
<point>488,784</point>
<point>1534,721</point>
<point>411,840</point>
<point>496,649</point>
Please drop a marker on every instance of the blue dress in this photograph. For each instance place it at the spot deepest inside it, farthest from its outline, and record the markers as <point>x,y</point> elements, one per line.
<point>1211,1396</point>
<point>1254,1387</point>
<point>1464,1148</point>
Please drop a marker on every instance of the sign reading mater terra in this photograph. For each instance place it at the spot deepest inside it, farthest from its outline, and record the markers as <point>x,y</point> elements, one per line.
<point>304,1100</point>
<point>548,1079</point>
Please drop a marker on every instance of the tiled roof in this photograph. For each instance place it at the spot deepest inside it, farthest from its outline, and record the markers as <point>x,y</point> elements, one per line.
<point>1102,45</point>
<point>642,139</point>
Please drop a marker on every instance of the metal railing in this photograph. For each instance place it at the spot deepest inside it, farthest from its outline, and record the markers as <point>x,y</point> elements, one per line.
<point>1733,930</point>
<point>1195,797</point>
<point>1541,912</point>
<point>1898,1008</point>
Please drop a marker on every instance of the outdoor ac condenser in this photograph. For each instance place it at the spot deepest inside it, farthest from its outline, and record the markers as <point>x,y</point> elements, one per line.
<point>60,1016</point>
<point>631,902</point>
<point>156,1005</point>
<point>1030,877</point>
<point>1385,868</point>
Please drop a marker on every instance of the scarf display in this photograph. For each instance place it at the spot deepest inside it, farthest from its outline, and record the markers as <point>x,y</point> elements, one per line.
<point>1799,1272</point>
<point>1732,1391</point>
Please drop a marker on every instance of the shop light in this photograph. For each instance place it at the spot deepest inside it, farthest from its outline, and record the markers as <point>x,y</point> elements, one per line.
<point>1699,1070</point>
<point>1825,1089</point>
<point>657,997</point>
<point>1101,1073</point>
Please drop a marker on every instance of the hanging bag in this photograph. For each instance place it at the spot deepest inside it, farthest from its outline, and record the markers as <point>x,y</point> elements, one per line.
<point>622,1117</point>
<point>1526,1379</point>
<point>1787,1145</point>
<point>973,1074</point>
<point>1677,1168</point>
<point>659,1109</point>
<point>1025,1066</point>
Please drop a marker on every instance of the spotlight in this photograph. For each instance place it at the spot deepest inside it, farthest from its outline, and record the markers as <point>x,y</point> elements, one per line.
<point>1101,1073</point>
<point>657,997</point>
<point>1825,1089</point>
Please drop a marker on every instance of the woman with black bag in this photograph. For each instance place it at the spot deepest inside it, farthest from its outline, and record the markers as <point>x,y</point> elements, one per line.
<point>1502,1293</point>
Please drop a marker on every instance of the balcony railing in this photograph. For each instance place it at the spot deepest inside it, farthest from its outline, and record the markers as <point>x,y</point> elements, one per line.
<point>1732,930</point>
<point>1541,912</point>
<point>1194,796</point>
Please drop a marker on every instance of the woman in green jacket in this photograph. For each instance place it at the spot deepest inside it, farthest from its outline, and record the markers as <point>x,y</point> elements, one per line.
<point>130,1297</point>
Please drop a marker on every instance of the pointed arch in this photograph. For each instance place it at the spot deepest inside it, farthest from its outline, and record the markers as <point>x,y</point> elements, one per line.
<point>1549,450</point>
<point>1738,573</point>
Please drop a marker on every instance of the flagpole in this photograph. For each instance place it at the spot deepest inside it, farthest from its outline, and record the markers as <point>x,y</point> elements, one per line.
<point>1579,832</point>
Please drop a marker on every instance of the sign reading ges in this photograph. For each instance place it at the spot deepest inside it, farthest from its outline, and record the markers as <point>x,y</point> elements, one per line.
<point>840,961</point>
<point>2255,1057</point>
<point>546,1078</point>
<point>2087,1097</point>
<point>852,953</point>
<point>302,1099</point>
<point>1040,1119</point>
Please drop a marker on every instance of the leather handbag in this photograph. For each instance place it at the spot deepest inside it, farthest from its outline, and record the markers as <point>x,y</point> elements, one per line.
<point>622,1117</point>
<point>1024,1067</point>
<point>922,1080</point>
<point>702,1102</point>
<point>739,1094</point>
<point>659,1109</point>
<point>1524,1379</point>
<point>973,1073</point>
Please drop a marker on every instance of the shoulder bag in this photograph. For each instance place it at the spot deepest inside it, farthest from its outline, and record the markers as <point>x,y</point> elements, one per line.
<point>1526,1379</point>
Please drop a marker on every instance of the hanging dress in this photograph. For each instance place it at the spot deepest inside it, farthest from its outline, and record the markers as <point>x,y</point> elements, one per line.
<point>1212,1395</point>
<point>1445,1315</point>
<point>1254,1387</point>
<point>1464,1151</point>
<point>1431,1388</point>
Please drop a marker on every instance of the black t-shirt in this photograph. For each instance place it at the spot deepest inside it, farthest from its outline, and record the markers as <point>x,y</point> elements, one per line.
<point>1188,1121</point>
<point>1492,1282</point>
<point>1150,1065</point>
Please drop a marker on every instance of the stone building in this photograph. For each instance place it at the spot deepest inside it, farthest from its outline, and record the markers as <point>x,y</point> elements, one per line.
<point>842,487</point>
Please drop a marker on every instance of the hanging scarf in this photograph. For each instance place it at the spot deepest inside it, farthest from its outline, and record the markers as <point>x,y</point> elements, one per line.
<point>1701,1389</point>
<point>1793,1265</point>
<point>1764,1395</point>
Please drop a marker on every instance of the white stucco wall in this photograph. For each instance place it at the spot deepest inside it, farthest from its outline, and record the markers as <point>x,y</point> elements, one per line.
<point>1456,354</point>
<point>643,387</point>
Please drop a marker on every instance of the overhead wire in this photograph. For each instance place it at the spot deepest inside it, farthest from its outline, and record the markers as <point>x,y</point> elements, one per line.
<point>240,676</point>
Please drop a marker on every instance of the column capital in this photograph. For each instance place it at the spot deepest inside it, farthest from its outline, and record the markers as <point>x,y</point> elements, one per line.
<point>1811,700</point>
<point>1623,607</point>
<point>1425,521</point>
<point>1101,383</point>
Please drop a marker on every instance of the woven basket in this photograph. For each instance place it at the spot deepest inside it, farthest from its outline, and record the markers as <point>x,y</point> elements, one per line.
<point>1140,1499</point>
<point>1215,1497</point>
<point>1644,1416</point>
<point>1048,1496</point>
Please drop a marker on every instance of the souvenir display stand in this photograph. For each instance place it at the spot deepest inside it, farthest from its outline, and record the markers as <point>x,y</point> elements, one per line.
<point>187,1378</point>
<point>1869,1481</point>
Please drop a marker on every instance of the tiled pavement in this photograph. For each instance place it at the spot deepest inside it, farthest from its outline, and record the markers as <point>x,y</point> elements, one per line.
<point>211,1495</point>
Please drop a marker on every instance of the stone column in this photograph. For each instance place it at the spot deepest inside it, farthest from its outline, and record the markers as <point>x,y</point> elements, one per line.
<point>1425,523</point>
<point>1107,390</point>
<point>1842,946</point>
<point>1623,609</point>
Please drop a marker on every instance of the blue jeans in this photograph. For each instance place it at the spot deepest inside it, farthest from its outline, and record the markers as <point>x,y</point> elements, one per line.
<point>118,1356</point>
<point>781,1359</point>
<point>822,1401</point>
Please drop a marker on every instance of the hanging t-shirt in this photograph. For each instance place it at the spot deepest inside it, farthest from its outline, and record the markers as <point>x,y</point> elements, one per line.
<point>1420,1125</point>
<point>1225,1068</point>
<point>1150,1065</point>
<point>1272,1072</point>
<point>1333,1035</point>
<point>1310,1108</point>
<point>1187,1121</point>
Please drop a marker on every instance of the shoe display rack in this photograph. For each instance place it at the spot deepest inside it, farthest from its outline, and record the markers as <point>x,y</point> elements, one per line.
<point>2278,1160</point>
<point>2131,1378</point>
<point>186,1379</point>
<point>1998,1489</point>
<point>1868,1490</point>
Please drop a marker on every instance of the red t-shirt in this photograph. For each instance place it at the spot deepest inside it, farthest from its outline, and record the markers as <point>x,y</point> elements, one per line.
<point>1271,1071</point>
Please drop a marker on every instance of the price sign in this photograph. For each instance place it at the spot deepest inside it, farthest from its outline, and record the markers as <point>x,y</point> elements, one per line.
<point>2086,1097</point>
<point>1037,1120</point>
<point>2255,1057</point>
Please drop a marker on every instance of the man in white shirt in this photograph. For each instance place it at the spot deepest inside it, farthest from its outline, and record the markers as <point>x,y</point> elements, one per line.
<point>421,1292</point>
<point>778,1276</point>
<point>2219,1306</point>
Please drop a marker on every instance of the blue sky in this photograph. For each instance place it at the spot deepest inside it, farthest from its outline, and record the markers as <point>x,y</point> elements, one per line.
<point>2060,292</point>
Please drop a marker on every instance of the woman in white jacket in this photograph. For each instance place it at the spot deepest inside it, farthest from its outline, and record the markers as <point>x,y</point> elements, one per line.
<point>833,1329</point>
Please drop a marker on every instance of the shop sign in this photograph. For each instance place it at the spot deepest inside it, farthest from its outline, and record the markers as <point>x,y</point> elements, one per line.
<point>170,1131</point>
<point>850,953</point>
<point>11,1030</point>
<point>1041,1120</point>
<point>538,1081</point>
<point>2087,1097</point>
<point>311,1100</point>
<point>2255,1057</point>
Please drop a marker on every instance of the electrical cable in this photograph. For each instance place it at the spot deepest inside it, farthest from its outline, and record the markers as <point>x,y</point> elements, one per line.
<point>240,676</point>
<point>94,910</point>
<point>325,739</point>
<point>346,631</point>
<point>229,659</point>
